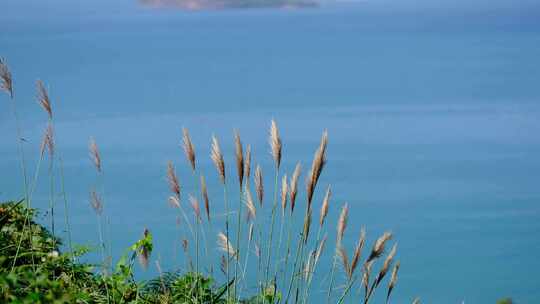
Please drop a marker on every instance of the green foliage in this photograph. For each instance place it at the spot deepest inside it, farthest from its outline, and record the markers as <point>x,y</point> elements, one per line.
<point>505,301</point>
<point>42,274</point>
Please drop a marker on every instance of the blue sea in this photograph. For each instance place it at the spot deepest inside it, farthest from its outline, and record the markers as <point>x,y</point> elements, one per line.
<point>433,116</point>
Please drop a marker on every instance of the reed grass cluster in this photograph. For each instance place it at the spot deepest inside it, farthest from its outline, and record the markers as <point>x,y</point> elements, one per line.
<point>283,265</point>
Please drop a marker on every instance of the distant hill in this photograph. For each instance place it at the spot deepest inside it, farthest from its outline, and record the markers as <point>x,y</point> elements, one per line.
<point>225,4</point>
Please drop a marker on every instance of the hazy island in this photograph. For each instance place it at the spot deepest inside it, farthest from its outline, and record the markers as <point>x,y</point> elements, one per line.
<point>226,4</point>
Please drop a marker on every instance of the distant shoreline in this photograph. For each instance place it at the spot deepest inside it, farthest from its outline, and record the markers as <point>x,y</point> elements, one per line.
<point>229,4</point>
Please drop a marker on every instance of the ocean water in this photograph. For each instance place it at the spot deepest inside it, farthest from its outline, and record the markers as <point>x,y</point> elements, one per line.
<point>433,118</point>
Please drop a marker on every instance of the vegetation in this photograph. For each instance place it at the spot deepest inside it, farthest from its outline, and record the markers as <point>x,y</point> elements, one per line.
<point>36,267</point>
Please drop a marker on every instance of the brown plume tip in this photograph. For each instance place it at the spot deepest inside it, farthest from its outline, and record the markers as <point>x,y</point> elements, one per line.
<point>225,245</point>
<point>247,162</point>
<point>239,158</point>
<point>189,149</point>
<point>217,158</point>
<point>319,160</point>
<point>196,208</point>
<point>342,222</point>
<point>284,191</point>
<point>204,192</point>
<point>6,81</point>
<point>48,141</point>
<point>324,206</point>
<point>174,184</point>
<point>378,248</point>
<point>252,212</point>
<point>358,249</point>
<point>43,98</point>
<point>96,202</point>
<point>275,143</point>
<point>94,154</point>
<point>294,186</point>
<point>259,185</point>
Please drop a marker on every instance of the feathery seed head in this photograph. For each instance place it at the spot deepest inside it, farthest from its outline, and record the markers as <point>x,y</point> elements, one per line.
<point>284,191</point>
<point>252,212</point>
<point>48,141</point>
<point>174,202</point>
<point>43,98</point>
<point>393,280</point>
<point>378,248</point>
<point>247,162</point>
<point>6,82</point>
<point>324,206</point>
<point>320,248</point>
<point>174,185</point>
<point>342,254</point>
<point>196,208</point>
<point>275,143</point>
<point>225,245</point>
<point>319,160</point>
<point>239,158</point>
<point>217,158</point>
<point>294,186</point>
<point>189,149</point>
<point>358,249</point>
<point>342,222</point>
<point>96,202</point>
<point>386,265</point>
<point>204,193</point>
<point>259,185</point>
<point>94,154</point>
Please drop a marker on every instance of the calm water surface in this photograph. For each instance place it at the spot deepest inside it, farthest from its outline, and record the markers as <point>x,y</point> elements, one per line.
<point>433,121</point>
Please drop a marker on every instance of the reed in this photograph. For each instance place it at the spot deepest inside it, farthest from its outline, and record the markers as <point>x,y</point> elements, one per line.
<point>219,163</point>
<point>6,85</point>
<point>294,283</point>
<point>275,149</point>
<point>239,155</point>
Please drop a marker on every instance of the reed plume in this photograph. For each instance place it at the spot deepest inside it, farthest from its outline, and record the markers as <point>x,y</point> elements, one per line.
<point>342,223</point>
<point>196,207</point>
<point>386,265</point>
<point>294,186</point>
<point>320,249</point>
<point>358,249</point>
<point>174,184</point>
<point>259,185</point>
<point>174,202</point>
<point>324,206</point>
<point>204,193</point>
<point>365,278</point>
<point>378,248</point>
<point>94,154</point>
<point>319,160</point>
<point>416,300</point>
<point>225,245</point>
<point>247,162</point>
<point>96,202</point>
<point>43,98</point>
<point>47,144</point>
<point>275,143</point>
<point>189,149</point>
<point>252,212</point>
<point>6,81</point>
<point>239,158</point>
<point>393,280</point>
<point>342,254</point>
<point>217,158</point>
<point>284,191</point>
